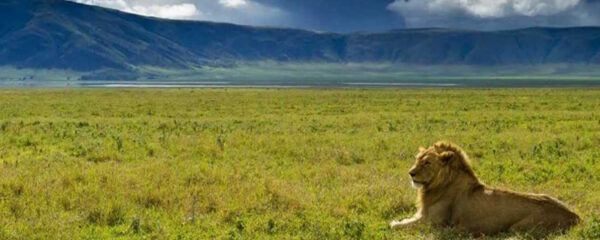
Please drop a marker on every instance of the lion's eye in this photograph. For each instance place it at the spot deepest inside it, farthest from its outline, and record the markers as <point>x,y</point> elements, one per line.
<point>426,163</point>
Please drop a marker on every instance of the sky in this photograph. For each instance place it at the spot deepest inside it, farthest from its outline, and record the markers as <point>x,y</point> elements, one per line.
<point>371,15</point>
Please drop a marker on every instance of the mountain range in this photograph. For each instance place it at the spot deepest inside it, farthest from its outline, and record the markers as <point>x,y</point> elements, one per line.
<point>56,34</point>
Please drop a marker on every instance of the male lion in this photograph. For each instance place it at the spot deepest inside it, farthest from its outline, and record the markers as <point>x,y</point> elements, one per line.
<point>451,195</point>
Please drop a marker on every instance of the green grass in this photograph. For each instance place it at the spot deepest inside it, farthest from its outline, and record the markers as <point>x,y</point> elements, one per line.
<point>276,164</point>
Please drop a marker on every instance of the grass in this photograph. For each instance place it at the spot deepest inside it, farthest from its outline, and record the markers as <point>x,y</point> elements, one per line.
<point>276,164</point>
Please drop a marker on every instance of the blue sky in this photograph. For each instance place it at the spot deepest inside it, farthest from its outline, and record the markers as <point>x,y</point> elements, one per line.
<point>371,15</point>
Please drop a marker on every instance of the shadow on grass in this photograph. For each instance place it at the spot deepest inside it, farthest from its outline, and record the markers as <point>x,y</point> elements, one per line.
<point>430,232</point>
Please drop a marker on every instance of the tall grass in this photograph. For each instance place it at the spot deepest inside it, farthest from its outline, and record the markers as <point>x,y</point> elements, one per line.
<point>276,164</point>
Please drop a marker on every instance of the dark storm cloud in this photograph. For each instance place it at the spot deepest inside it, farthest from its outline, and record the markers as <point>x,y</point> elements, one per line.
<point>339,15</point>
<point>371,15</point>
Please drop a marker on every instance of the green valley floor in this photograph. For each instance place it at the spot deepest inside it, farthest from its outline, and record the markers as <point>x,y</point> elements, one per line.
<point>277,164</point>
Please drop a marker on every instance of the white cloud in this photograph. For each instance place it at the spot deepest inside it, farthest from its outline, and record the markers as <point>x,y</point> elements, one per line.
<point>483,8</point>
<point>233,3</point>
<point>116,4</point>
<point>178,11</point>
<point>247,12</point>
<point>170,11</point>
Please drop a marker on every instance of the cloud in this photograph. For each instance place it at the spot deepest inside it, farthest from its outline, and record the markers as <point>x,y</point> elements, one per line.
<point>370,15</point>
<point>486,8</point>
<point>496,14</point>
<point>321,15</point>
<point>116,4</point>
<point>177,11</point>
<point>170,11</point>
<point>233,3</point>
<point>338,15</point>
<point>245,12</point>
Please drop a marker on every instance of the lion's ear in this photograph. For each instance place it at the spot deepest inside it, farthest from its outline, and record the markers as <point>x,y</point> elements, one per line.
<point>445,157</point>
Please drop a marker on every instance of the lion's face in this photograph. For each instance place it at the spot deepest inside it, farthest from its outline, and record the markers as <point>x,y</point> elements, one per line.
<point>425,169</point>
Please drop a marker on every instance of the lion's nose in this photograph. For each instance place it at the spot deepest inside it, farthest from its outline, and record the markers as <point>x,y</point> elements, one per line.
<point>412,174</point>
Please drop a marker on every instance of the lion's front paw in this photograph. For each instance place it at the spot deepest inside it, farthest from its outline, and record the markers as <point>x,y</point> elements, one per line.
<point>395,225</point>
<point>403,224</point>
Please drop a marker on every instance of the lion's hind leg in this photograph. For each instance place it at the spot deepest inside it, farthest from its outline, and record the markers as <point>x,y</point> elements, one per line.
<point>525,224</point>
<point>544,224</point>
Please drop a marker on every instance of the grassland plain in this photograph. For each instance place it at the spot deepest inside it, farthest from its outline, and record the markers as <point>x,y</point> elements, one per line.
<point>276,164</point>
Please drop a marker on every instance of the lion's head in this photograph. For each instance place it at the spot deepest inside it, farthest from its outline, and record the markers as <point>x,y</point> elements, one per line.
<point>439,164</point>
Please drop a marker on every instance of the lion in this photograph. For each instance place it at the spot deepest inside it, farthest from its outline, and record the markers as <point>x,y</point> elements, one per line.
<point>450,195</point>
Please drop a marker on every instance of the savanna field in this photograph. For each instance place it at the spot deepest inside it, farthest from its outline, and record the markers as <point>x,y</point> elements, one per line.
<point>277,164</point>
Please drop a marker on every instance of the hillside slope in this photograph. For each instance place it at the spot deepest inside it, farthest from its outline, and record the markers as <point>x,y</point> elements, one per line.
<point>66,35</point>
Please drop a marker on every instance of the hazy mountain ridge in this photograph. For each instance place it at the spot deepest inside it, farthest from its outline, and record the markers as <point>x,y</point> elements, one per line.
<point>65,35</point>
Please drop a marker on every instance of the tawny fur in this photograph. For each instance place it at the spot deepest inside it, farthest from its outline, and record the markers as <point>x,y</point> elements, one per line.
<point>451,195</point>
